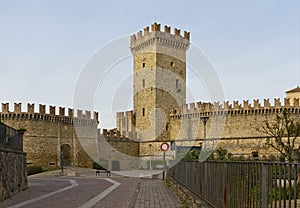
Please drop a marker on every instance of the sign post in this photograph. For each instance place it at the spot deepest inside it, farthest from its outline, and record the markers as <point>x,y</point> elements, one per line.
<point>62,162</point>
<point>164,147</point>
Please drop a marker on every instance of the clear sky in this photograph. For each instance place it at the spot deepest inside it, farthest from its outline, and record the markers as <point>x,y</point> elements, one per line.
<point>253,44</point>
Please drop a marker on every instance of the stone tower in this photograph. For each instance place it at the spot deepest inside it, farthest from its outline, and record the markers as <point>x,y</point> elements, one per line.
<point>159,59</point>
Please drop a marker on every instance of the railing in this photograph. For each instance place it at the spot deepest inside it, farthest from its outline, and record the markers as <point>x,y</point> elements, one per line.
<point>241,184</point>
<point>10,138</point>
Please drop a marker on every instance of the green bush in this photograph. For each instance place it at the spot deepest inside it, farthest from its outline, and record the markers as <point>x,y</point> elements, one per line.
<point>31,170</point>
<point>98,167</point>
<point>190,155</point>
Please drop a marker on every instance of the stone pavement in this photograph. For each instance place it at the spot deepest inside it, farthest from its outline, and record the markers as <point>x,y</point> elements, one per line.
<point>154,193</point>
<point>133,192</point>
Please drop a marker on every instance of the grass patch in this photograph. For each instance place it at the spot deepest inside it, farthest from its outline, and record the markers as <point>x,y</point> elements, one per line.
<point>183,203</point>
<point>168,182</point>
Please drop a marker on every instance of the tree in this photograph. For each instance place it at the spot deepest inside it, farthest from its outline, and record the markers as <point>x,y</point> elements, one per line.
<point>188,155</point>
<point>222,154</point>
<point>282,133</point>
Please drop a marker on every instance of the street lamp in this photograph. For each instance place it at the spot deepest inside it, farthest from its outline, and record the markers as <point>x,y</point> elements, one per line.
<point>204,119</point>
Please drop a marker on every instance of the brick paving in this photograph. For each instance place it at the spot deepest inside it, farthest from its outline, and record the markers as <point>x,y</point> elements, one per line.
<point>132,193</point>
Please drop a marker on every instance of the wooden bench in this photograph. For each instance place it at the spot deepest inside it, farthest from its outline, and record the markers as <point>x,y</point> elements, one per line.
<point>102,171</point>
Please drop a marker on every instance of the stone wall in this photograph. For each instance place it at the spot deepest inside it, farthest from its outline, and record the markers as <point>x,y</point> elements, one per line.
<point>119,151</point>
<point>48,131</point>
<point>159,60</point>
<point>232,126</point>
<point>13,173</point>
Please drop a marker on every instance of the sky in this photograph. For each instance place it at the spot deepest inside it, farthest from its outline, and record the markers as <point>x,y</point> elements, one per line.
<point>253,45</point>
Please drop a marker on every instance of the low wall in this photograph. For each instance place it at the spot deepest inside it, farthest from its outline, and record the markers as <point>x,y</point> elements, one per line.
<point>13,172</point>
<point>189,198</point>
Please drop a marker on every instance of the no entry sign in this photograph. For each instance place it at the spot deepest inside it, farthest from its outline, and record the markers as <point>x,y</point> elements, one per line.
<point>164,146</point>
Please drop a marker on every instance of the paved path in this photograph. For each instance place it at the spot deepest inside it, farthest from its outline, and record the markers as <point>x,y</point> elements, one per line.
<point>86,190</point>
<point>155,193</point>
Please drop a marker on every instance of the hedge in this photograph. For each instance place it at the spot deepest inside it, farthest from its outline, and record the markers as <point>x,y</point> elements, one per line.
<point>31,170</point>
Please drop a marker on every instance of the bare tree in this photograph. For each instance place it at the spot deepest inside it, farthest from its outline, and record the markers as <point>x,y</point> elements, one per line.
<point>282,133</point>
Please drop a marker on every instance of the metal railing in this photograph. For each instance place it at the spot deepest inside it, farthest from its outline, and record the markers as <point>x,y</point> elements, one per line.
<point>241,184</point>
<point>10,138</point>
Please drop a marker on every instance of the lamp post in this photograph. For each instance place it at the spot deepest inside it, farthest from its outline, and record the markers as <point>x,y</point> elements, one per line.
<point>204,119</point>
<point>150,165</point>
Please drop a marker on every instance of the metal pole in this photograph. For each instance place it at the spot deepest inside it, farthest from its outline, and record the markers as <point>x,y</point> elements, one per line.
<point>62,162</point>
<point>164,165</point>
<point>204,136</point>
<point>150,165</point>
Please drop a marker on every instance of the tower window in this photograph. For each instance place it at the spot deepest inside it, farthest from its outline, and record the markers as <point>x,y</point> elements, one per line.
<point>143,64</point>
<point>143,111</point>
<point>143,82</point>
<point>177,83</point>
<point>172,63</point>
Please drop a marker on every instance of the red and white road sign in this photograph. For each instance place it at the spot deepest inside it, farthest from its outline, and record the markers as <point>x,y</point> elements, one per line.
<point>164,146</point>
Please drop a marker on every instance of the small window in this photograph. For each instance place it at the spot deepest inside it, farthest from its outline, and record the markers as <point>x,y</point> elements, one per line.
<point>143,82</point>
<point>255,154</point>
<point>143,65</point>
<point>177,83</point>
<point>172,63</point>
<point>143,111</point>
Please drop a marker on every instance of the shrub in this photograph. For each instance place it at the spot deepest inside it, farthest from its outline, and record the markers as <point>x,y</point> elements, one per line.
<point>98,167</point>
<point>31,170</point>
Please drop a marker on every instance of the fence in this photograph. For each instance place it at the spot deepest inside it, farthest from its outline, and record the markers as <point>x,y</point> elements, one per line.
<point>241,184</point>
<point>10,138</point>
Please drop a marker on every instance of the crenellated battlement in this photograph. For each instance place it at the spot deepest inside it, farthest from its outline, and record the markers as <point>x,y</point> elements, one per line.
<point>146,39</point>
<point>52,115</point>
<point>125,124</point>
<point>238,108</point>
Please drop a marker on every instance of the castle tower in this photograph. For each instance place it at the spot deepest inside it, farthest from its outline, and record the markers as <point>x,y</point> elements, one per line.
<point>159,59</point>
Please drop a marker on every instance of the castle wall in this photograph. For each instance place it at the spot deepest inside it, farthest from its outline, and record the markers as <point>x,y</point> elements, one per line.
<point>118,153</point>
<point>48,132</point>
<point>234,127</point>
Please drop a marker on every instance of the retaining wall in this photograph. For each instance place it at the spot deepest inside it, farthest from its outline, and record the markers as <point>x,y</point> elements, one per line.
<point>13,172</point>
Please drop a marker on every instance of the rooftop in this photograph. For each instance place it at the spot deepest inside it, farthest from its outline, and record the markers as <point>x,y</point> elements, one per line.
<point>297,89</point>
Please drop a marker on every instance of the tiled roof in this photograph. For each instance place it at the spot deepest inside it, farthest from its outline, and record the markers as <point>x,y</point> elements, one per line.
<point>297,89</point>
